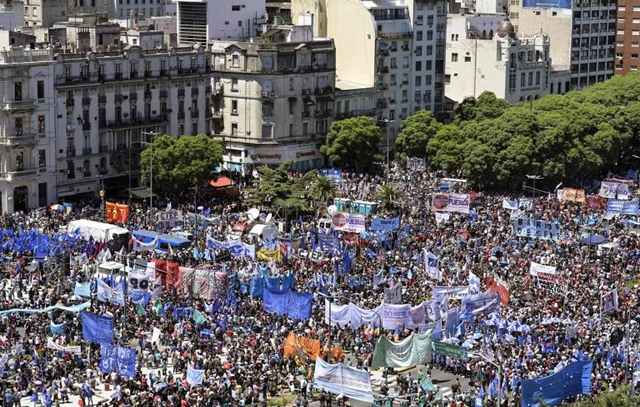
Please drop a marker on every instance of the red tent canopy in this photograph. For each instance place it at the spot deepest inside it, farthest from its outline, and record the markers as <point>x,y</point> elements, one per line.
<point>221,182</point>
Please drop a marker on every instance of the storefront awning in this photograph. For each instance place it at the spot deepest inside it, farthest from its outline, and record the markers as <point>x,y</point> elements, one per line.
<point>221,182</point>
<point>140,193</point>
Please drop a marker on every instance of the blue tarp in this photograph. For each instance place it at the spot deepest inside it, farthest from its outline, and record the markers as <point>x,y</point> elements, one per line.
<point>573,379</point>
<point>593,240</point>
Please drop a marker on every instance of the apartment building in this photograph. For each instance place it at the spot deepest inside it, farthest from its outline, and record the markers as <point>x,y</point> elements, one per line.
<point>484,54</point>
<point>200,21</point>
<point>108,104</point>
<point>138,9</point>
<point>582,34</point>
<point>273,100</point>
<point>628,37</point>
<point>11,15</point>
<point>44,13</point>
<point>27,129</point>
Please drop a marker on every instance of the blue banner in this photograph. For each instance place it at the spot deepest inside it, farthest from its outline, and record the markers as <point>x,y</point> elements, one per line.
<point>291,303</point>
<point>257,286</point>
<point>385,224</point>
<point>83,290</point>
<point>58,329</point>
<point>333,174</point>
<point>539,229</point>
<point>97,329</point>
<point>573,379</point>
<point>329,243</point>
<point>617,206</point>
<point>194,376</point>
<point>118,359</point>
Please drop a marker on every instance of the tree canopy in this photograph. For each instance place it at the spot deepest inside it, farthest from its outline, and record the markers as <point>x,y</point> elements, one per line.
<point>275,187</point>
<point>179,163</point>
<point>572,138</point>
<point>416,132</point>
<point>353,143</point>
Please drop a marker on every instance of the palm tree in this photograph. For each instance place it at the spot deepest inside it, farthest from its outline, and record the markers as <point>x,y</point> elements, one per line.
<point>322,189</point>
<point>388,195</point>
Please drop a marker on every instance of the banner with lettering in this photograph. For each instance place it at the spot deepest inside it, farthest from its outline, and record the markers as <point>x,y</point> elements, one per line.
<point>609,189</point>
<point>169,219</point>
<point>574,195</point>
<point>343,380</point>
<point>116,212</point>
<point>619,207</point>
<point>537,268</point>
<point>450,203</point>
<point>348,222</point>
<point>536,229</point>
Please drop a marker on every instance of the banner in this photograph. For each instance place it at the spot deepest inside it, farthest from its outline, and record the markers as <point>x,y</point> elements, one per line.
<point>268,255</point>
<point>573,379</point>
<point>118,359</point>
<point>328,243</point>
<point>57,329</point>
<point>108,294</point>
<point>73,308</point>
<point>536,229</point>
<point>574,195</point>
<point>545,280</point>
<point>450,350</point>
<point>432,265</point>
<point>539,268</point>
<point>450,203</point>
<point>609,189</point>
<point>411,351</point>
<point>115,212</point>
<point>348,222</point>
<point>385,224</point>
<point>291,303</point>
<point>205,284</point>
<point>343,380</point>
<point>609,302</point>
<point>139,246</point>
<point>393,295</point>
<point>616,206</point>
<point>510,205</point>
<point>333,174</point>
<point>296,345</point>
<point>97,328</point>
<point>170,219</point>
<point>51,344</point>
<point>194,376</point>
<point>538,4</point>
<point>137,281</point>
<point>452,293</point>
<point>484,303</point>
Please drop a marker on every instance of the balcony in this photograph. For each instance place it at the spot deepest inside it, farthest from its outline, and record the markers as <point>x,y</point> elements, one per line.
<point>29,172</point>
<point>147,95</point>
<point>103,148</point>
<point>13,105</point>
<point>216,114</point>
<point>163,94</point>
<point>16,140</point>
<point>355,113</point>
<point>102,99</point>
<point>269,95</point>
<point>306,114</point>
<point>133,96</point>
<point>324,91</point>
<point>163,72</point>
<point>218,89</point>
<point>323,113</point>
<point>180,93</point>
<point>86,126</point>
<point>71,152</point>
<point>86,101</point>
<point>140,121</point>
<point>86,151</point>
<point>383,69</point>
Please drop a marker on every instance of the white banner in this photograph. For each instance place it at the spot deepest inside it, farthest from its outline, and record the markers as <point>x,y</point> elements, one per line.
<point>169,219</point>
<point>442,217</point>
<point>138,281</point>
<point>617,190</point>
<point>348,222</point>
<point>139,246</point>
<point>51,344</point>
<point>450,203</point>
<point>343,380</point>
<point>393,295</point>
<point>539,268</point>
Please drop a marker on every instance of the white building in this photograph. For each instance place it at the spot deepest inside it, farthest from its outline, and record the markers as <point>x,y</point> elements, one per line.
<point>108,103</point>
<point>12,15</point>
<point>134,10</point>
<point>484,54</point>
<point>27,130</point>
<point>200,21</point>
<point>273,101</point>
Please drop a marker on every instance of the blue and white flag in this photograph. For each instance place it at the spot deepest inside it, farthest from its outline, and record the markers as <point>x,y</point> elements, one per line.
<point>97,328</point>
<point>118,359</point>
<point>432,265</point>
<point>573,379</point>
<point>83,290</point>
<point>385,224</point>
<point>108,294</point>
<point>378,278</point>
<point>194,376</point>
<point>474,283</point>
<point>58,329</point>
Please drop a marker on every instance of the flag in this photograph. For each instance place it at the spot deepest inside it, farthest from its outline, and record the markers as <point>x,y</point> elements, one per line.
<point>198,317</point>
<point>83,290</point>
<point>346,261</point>
<point>474,283</point>
<point>140,309</point>
<point>170,249</point>
<point>432,265</point>
<point>194,376</point>
<point>609,302</point>
<point>97,328</point>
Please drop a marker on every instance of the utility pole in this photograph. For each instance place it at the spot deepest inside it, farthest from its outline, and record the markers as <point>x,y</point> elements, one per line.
<point>153,136</point>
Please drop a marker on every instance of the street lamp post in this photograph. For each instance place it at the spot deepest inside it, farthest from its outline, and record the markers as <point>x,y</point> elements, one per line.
<point>387,122</point>
<point>534,178</point>
<point>153,135</point>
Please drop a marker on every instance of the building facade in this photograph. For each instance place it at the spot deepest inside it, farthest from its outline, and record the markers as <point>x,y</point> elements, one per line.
<point>134,10</point>
<point>108,105</point>
<point>273,101</point>
<point>200,21</point>
<point>582,34</point>
<point>628,37</point>
<point>27,129</point>
<point>484,54</point>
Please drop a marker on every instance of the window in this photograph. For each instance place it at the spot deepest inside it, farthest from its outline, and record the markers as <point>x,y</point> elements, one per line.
<point>636,21</point>
<point>235,61</point>
<point>454,57</point>
<point>234,84</point>
<point>467,59</point>
<point>17,91</point>
<point>537,78</point>
<point>634,56</point>
<point>235,8</point>
<point>305,128</point>
<point>267,130</point>
<point>635,32</point>
<point>290,129</point>
<point>40,90</point>
<point>523,79</point>
<point>636,8</point>
<point>635,44</point>
<point>234,107</point>
<point>418,66</point>
<point>20,161</point>
<point>234,129</point>
<point>41,125</point>
<point>418,80</point>
<point>42,158</point>
<point>292,105</point>
<point>17,126</point>
<point>418,35</point>
<point>530,78</point>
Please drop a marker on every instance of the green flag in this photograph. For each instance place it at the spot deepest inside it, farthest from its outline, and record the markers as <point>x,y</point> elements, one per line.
<point>438,399</point>
<point>198,317</point>
<point>411,351</point>
<point>427,385</point>
<point>140,309</point>
<point>159,308</point>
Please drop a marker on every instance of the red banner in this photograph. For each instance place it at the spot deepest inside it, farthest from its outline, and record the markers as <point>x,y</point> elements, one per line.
<point>497,286</point>
<point>116,213</point>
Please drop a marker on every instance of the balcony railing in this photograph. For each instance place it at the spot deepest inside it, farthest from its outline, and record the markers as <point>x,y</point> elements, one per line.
<point>23,173</point>
<point>137,121</point>
<point>19,104</point>
<point>86,151</point>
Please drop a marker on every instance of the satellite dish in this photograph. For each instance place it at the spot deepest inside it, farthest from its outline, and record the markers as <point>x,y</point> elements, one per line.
<point>268,219</point>
<point>332,209</point>
<point>253,213</point>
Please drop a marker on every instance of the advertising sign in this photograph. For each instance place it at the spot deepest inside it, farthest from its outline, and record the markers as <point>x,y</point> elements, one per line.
<point>450,350</point>
<point>450,203</point>
<point>348,222</point>
<point>566,4</point>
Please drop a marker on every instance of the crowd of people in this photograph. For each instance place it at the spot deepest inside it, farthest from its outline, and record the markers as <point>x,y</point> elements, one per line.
<point>540,328</point>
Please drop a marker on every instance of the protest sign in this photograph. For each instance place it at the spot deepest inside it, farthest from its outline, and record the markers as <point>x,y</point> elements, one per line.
<point>411,351</point>
<point>536,229</point>
<point>348,222</point>
<point>343,380</point>
<point>450,203</point>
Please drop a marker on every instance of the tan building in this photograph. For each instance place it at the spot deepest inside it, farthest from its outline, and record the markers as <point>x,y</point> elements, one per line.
<point>628,37</point>
<point>273,100</point>
<point>582,34</point>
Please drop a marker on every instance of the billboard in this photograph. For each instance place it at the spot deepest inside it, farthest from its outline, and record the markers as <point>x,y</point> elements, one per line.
<point>566,4</point>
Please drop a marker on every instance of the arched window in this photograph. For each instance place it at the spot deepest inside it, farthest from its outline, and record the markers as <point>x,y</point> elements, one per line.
<point>86,168</point>
<point>71,170</point>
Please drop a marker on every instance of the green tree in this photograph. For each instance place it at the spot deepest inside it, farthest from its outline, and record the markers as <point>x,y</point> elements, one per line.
<point>180,163</point>
<point>275,187</point>
<point>322,189</point>
<point>484,107</point>
<point>416,132</point>
<point>388,195</point>
<point>353,143</point>
<point>445,149</point>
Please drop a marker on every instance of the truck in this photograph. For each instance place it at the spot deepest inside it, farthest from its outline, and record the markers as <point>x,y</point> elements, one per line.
<point>101,232</point>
